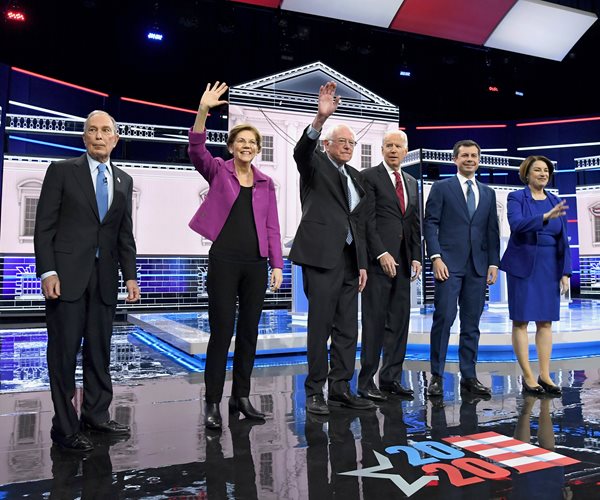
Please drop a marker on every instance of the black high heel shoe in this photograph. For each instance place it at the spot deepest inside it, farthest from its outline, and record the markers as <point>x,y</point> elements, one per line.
<point>552,389</point>
<point>244,406</point>
<point>537,390</point>
<point>212,416</point>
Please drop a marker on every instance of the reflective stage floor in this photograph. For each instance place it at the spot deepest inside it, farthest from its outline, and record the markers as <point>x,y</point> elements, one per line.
<point>510,446</point>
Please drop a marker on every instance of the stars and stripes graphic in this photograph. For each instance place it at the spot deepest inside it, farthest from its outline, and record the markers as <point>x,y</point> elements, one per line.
<point>523,457</point>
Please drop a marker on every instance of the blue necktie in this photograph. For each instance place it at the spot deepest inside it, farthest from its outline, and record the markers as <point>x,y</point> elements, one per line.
<point>470,198</point>
<point>102,191</point>
<point>350,200</point>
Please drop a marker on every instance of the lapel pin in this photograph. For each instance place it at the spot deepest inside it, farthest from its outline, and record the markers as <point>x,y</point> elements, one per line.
<point>118,179</point>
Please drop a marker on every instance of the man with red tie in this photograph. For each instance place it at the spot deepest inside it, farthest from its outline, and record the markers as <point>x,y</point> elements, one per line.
<point>394,251</point>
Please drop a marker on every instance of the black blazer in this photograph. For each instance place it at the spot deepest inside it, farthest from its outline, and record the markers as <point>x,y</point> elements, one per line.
<point>322,232</point>
<point>387,229</point>
<point>68,230</point>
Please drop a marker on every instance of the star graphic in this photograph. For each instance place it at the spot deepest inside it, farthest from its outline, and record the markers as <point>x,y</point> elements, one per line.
<point>384,463</point>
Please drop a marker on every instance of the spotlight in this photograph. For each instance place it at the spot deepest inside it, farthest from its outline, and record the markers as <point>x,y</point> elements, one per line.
<point>155,34</point>
<point>14,13</point>
<point>519,93</point>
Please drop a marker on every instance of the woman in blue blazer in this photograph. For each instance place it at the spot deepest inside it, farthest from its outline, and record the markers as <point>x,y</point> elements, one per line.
<point>537,262</point>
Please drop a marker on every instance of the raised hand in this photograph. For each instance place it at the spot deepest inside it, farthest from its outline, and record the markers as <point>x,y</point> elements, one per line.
<point>212,95</point>
<point>210,99</point>
<point>328,101</point>
<point>558,210</point>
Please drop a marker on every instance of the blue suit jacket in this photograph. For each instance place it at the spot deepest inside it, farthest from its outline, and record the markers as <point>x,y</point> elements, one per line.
<point>451,233</point>
<point>519,257</point>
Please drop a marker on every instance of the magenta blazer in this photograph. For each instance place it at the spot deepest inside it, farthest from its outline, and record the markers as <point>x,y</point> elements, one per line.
<point>224,189</point>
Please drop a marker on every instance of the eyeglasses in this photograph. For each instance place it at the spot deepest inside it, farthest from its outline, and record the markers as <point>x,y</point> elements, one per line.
<point>105,131</point>
<point>343,142</point>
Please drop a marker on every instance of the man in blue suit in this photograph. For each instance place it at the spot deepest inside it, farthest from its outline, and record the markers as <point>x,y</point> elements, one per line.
<point>463,243</point>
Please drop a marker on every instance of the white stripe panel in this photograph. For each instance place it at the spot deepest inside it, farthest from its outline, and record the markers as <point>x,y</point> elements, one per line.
<point>380,13</point>
<point>541,29</point>
<point>513,462</point>
<point>492,452</point>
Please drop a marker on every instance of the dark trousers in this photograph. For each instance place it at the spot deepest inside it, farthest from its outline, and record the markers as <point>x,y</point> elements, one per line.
<point>226,283</point>
<point>385,319</point>
<point>87,318</point>
<point>466,288</point>
<point>332,312</point>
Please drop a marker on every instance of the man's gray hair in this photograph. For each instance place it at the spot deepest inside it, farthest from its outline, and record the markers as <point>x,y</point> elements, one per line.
<point>330,132</point>
<point>401,133</point>
<point>98,112</point>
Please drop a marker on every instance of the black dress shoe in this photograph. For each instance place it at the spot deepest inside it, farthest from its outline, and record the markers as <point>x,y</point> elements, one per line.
<point>396,388</point>
<point>349,400</point>
<point>551,389</point>
<point>74,442</point>
<point>108,427</point>
<point>537,390</point>
<point>474,386</point>
<point>245,406</point>
<point>373,394</point>
<point>472,399</point>
<point>212,416</point>
<point>436,386</point>
<point>316,405</point>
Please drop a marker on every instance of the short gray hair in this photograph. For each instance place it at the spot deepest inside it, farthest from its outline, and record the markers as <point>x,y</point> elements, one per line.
<point>401,133</point>
<point>100,112</point>
<point>330,131</point>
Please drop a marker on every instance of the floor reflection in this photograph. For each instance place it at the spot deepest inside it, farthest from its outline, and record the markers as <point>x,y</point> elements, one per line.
<point>459,446</point>
<point>422,448</point>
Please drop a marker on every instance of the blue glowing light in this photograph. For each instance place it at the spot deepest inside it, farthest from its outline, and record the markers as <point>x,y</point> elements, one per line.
<point>44,143</point>
<point>153,35</point>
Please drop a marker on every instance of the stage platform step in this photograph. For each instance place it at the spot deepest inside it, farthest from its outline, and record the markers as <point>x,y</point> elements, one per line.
<point>577,333</point>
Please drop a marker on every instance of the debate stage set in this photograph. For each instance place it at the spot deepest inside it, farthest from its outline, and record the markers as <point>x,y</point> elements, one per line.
<point>510,446</point>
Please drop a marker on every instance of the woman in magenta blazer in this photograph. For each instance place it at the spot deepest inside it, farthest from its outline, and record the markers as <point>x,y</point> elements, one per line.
<point>537,262</point>
<point>239,215</point>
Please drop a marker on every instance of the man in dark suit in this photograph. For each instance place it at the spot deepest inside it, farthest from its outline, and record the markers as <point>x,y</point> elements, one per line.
<point>393,232</point>
<point>463,243</point>
<point>83,233</point>
<point>329,245</point>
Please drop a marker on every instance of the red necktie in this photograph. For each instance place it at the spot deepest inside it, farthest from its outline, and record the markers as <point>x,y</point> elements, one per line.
<point>400,192</point>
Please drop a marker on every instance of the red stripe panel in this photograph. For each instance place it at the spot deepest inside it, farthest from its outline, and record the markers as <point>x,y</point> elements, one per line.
<point>263,3</point>
<point>470,21</point>
<point>534,466</point>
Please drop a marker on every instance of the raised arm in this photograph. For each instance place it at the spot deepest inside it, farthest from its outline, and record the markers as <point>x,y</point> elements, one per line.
<point>210,99</point>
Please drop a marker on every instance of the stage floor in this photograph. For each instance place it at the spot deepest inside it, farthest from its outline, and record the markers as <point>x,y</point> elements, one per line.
<point>510,446</point>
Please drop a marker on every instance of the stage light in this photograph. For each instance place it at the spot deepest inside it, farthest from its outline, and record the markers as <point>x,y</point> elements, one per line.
<point>519,93</point>
<point>15,14</point>
<point>155,34</point>
<point>404,72</point>
<point>493,88</point>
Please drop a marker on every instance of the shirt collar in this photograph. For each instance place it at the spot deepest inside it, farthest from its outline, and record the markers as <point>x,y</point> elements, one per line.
<point>335,163</point>
<point>93,164</point>
<point>462,179</point>
<point>390,170</point>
